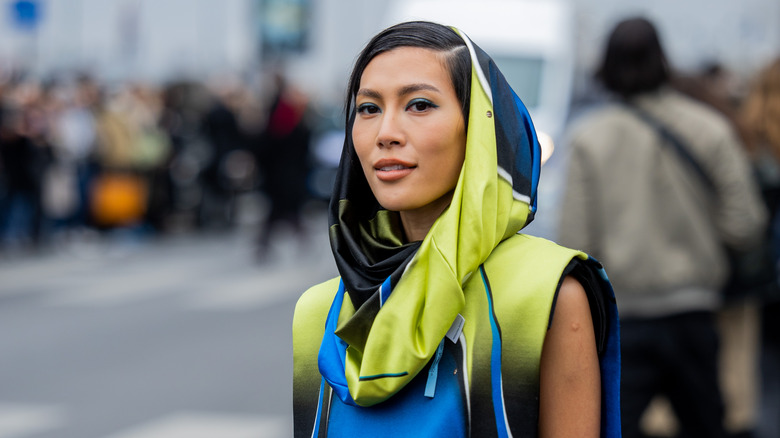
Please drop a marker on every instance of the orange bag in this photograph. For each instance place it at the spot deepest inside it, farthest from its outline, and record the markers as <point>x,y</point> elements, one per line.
<point>118,199</point>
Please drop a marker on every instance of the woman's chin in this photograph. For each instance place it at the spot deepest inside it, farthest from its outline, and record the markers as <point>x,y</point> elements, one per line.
<point>399,205</point>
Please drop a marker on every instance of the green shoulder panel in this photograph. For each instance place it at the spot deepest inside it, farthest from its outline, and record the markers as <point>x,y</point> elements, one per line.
<point>308,328</point>
<point>524,274</point>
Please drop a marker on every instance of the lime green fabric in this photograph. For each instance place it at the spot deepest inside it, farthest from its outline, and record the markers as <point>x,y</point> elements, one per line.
<point>524,274</point>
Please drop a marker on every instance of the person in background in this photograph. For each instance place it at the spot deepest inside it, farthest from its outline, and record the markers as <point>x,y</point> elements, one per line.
<point>637,204</point>
<point>283,158</point>
<point>75,138</point>
<point>221,130</point>
<point>445,322</point>
<point>25,154</point>
<point>760,117</point>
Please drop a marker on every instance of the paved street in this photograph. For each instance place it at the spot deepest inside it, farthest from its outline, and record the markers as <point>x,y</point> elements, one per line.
<point>189,337</point>
<point>186,336</point>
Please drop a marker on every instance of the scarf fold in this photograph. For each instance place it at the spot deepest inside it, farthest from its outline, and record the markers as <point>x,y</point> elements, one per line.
<point>397,300</point>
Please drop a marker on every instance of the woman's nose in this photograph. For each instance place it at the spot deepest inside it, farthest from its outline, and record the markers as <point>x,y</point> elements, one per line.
<point>390,131</point>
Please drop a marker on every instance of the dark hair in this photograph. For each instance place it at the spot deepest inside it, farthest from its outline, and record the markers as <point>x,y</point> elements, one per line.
<point>422,34</point>
<point>634,60</point>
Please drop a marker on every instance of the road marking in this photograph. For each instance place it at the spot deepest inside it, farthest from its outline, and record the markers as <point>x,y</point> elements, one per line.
<point>22,420</point>
<point>132,282</point>
<point>21,276</point>
<point>202,274</point>
<point>258,290</point>
<point>205,425</point>
<point>121,288</point>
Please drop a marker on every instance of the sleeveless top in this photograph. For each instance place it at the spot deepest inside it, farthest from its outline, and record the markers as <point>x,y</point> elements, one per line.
<point>484,379</point>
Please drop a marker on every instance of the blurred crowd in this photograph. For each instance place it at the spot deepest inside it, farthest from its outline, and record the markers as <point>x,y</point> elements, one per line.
<point>78,155</point>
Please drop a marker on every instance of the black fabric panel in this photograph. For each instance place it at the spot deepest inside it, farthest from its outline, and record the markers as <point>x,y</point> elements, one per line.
<point>305,410</point>
<point>509,135</point>
<point>304,414</point>
<point>327,399</point>
<point>597,298</point>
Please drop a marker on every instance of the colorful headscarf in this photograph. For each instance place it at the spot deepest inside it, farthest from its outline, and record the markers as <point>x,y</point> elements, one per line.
<point>373,353</point>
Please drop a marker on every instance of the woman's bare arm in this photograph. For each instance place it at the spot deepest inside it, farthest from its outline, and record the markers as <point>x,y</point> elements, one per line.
<point>570,386</point>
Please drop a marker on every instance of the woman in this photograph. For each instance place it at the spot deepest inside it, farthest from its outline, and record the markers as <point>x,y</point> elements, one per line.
<point>440,324</point>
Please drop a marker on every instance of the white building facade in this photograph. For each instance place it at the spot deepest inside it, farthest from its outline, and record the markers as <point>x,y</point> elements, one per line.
<point>158,40</point>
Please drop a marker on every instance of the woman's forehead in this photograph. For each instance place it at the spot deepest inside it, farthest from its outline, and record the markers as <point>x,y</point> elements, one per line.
<point>405,65</point>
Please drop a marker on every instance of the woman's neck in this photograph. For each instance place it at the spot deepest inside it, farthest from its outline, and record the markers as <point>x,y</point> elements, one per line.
<point>419,221</point>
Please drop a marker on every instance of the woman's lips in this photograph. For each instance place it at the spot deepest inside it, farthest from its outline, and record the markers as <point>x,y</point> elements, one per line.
<point>392,170</point>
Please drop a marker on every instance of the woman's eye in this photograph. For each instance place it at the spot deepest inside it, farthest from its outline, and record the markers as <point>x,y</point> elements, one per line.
<point>420,105</point>
<point>367,108</point>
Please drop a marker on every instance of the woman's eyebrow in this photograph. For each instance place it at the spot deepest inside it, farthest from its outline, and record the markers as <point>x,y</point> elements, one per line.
<point>403,91</point>
<point>367,92</point>
<point>413,88</point>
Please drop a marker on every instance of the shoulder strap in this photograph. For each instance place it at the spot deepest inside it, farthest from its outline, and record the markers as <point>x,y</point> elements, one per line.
<point>676,143</point>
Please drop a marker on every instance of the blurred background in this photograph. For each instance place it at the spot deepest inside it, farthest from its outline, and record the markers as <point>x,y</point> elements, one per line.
<point>165,167</point>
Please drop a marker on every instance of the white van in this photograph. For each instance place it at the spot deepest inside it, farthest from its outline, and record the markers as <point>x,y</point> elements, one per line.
<point>532,41</point>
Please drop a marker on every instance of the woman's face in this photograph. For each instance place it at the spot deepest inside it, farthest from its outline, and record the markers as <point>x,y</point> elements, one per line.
<point>409,132</point>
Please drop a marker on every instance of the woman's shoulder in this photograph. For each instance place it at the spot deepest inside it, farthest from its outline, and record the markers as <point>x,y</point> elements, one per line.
<point>531,249</point>
<point>318,296</point>
<point>535,263</point>
<point>535,267</point>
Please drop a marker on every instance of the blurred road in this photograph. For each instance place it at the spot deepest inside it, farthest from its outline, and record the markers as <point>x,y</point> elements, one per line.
<point>186,336</point>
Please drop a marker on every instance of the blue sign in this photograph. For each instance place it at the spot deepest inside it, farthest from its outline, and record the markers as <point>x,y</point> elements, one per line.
<point>26,13</point>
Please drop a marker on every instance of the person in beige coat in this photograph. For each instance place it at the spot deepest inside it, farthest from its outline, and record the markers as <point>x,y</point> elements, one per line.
<point>638,206</point>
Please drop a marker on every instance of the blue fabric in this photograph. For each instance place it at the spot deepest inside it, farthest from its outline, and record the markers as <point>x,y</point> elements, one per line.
<point>316,432</point>
<point>409,413</point>
<point>385,290</point>
<point>333,352</point>
<point>495,365</point>
<point>610,364</point>
<point>433,372</point>
<point>516,140</point>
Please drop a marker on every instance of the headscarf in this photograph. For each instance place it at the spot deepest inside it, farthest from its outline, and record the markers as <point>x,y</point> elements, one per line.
<point>403,297</point>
